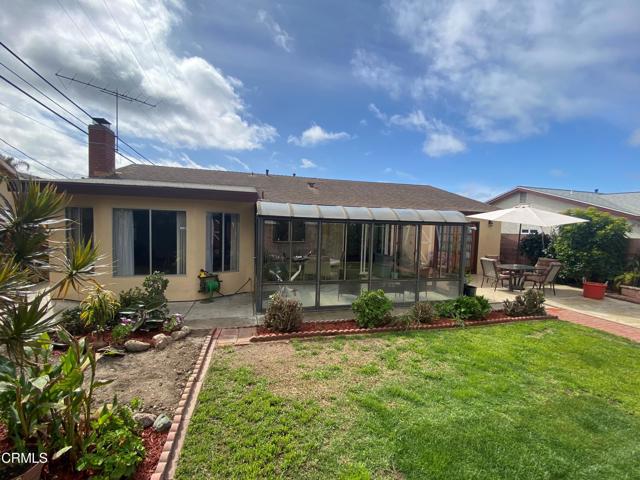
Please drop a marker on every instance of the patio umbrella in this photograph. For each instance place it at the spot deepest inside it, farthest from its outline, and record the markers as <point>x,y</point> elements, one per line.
<point>527,215</point>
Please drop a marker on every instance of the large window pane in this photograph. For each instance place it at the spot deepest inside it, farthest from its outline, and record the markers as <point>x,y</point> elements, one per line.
<point>439,263</point>
<point>332,251</point>
<point>304,293</point>
<point>340,293</point>
<point>399,291</point>
<point>223,236</point>
<point>165,242</point>
<point>394,251</point>
<point>357,254</point>
<point>277,252</point>
<point>304,250</point>
<point>141,243</point>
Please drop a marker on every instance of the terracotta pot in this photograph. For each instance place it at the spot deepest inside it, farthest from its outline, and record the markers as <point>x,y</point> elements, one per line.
<point>32,473</point>
<point>594,290</point>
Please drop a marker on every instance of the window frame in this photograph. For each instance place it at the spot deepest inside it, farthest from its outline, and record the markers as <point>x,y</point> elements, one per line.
<point>208,241</point>
<point>150,237</point>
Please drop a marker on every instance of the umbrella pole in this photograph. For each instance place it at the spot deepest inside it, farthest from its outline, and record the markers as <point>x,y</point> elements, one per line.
<point>518,246</point>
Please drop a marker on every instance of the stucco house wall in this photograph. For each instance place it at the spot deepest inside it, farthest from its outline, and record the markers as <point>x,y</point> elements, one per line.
<point>181,287</point>
<point>488,240</point>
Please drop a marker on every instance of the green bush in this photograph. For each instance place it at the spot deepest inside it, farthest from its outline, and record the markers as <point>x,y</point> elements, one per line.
<point>464,308</point>
<point>530,302</point>
<point>150,297</point>
<point>594,250</point>
<point>114,448</point>
<point>283,314</point>
<point>531,246</point>
<point>73,323</point>
<point>423,312</point>
<point>132,299</point>
<point>372,309</point>
<point>120,333</point>
<point>628,278</point>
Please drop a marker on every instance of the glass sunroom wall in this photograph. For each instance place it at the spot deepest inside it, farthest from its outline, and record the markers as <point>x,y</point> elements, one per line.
<point>394,261</point>
<point>289,260</point>
<point>439,263</point>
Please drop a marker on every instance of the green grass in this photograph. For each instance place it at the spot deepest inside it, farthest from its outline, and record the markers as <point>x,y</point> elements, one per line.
<point>539,400</point>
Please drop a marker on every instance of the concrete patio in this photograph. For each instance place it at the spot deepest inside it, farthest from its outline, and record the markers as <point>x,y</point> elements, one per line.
<point>230,311</point>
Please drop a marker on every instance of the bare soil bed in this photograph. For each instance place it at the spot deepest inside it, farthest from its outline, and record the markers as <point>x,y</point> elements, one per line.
<point>157,377</point>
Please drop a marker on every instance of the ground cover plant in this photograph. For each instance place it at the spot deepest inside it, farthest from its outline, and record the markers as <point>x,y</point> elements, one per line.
<point>530,400</point>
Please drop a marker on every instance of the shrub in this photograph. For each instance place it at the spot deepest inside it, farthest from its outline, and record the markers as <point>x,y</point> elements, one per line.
<point>423,312</point>
<point>132,298</point>
<point>628,278</point>
<point>372,308</point>
<point>99,308</point>
<point>121,332</point>
<point>594,250</point>
<point>464,308</point>
<point>173,323</point>
<point>151,297</point>
<point>283,314</point>
<point>530,302</point>
<point>535,245</point>
<point>114,449</point>
<point>73,323</point>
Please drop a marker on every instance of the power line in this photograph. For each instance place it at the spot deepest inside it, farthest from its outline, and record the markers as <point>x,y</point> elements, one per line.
<point>34,159</point>
<point>136,151</point>
<point>45,80</point>
<point>42,104</point>
<point>40,92</point>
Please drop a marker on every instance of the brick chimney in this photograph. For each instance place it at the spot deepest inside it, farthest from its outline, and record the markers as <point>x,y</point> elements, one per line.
<point>102,149</point>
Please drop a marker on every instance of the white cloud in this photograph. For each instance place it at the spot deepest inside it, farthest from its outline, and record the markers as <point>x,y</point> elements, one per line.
<point>508,70</point>
<point>238,161</point>
<point>634,138</point>
<point>440,139</point>
<point>198,105</point>
<point>399,173</point>
<point>375,71</point>
<point>280,36</point>
<point>315,135</point>
<point>557,172</point>
<point>479,191</point>
<point>306,163</point>
<point>438,144</point>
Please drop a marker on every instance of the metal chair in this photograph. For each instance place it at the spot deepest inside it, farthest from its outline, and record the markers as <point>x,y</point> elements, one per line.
<point>491,272</point>
<point>546,277</point>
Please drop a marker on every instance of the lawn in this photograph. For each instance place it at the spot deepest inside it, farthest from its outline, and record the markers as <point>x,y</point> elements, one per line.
<point>544,399</point>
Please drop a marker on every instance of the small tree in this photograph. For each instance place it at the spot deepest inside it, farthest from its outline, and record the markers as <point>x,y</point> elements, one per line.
<point>594,250</point>
<point>535,245</point>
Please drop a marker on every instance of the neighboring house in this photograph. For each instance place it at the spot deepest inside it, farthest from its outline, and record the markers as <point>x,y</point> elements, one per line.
<point>325,240</point>
<point>625,205</point>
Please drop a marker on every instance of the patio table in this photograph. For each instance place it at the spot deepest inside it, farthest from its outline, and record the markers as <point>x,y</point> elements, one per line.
<point>516,274</point>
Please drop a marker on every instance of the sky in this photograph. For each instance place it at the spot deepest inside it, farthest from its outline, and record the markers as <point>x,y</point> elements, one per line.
<point>473,96</point>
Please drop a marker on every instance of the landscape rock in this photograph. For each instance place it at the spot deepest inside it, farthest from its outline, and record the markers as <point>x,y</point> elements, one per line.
<point>180,334</point>
<point>162,423</point>
<point>136,346</point>
<point>161,341</point>
<point>144,419</point>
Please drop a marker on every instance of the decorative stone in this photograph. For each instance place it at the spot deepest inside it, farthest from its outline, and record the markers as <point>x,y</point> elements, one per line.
<point>136,346</point>
<point>144,419</point>
<point>161,341</point>
<point>180,334</point>
<point>162,423</point>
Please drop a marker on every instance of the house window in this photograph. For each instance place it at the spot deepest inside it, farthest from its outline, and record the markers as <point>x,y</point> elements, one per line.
<point>145,241</point>
<point>223,235</point>
<point>80,224</point>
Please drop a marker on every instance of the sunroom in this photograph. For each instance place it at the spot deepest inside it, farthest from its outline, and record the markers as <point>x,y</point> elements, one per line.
<point>324,256</point>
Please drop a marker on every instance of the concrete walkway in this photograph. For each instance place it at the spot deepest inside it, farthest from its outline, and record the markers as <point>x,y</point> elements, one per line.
<point>222,312</point>
<point>571,298</point>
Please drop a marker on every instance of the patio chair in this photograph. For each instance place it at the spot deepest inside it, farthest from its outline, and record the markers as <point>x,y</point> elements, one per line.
<point>544,277</point>
<point>491,272</point>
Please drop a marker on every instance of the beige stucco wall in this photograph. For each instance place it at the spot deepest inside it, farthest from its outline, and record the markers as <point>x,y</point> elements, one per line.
<point>546,203</point>
<point>181,287</point>
<point>488,240</point>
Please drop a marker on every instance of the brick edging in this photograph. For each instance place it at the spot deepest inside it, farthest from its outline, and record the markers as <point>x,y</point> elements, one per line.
<point>172,445</point>
<point>268,337</point>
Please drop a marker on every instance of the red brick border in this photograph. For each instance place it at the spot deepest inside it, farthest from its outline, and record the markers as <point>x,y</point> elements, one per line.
<point>615,328</point>
<point>168,461</point>
<point>268,337</point>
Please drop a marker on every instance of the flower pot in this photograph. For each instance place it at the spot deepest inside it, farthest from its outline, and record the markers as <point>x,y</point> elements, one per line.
<point>469,290</point>
<point>594,290</point>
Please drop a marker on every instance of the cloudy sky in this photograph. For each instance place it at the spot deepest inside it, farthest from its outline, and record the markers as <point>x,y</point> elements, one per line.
<point>475,96</point>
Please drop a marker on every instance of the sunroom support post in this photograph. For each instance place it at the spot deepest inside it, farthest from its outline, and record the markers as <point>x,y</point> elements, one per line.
<point>463,245</point>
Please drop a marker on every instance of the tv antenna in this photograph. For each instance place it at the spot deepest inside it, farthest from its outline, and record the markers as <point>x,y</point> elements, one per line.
<point>114,93</point>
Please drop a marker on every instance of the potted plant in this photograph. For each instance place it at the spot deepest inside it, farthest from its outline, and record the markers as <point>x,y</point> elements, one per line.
<point>469,290</point>
<point>592,252</point>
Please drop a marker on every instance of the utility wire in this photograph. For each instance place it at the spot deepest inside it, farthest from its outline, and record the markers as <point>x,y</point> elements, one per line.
<point>136,151</point>
<point>41,92</point>
<point>34,159</point>
<point>45,80</point>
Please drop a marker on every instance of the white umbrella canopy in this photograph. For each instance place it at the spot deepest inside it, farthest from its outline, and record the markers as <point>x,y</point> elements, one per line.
<point>526,215</point>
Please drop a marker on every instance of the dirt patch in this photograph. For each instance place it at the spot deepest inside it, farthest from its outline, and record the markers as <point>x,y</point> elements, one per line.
<point>157,377</point>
